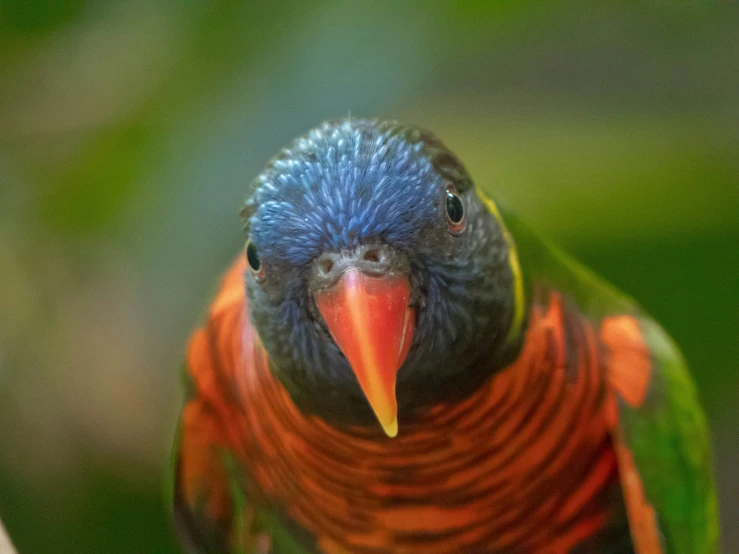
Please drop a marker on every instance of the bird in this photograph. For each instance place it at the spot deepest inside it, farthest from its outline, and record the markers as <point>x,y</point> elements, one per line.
<point>397,364</point>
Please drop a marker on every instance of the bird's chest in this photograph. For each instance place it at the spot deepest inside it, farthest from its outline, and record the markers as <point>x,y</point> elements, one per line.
<point>525,462</point>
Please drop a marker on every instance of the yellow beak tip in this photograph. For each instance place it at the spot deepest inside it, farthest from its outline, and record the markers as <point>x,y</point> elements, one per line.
<point>391,429</point>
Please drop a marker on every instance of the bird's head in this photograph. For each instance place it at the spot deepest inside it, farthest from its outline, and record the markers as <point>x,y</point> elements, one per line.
<point>378,279</point>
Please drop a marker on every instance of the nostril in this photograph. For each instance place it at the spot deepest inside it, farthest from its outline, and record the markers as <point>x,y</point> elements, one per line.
<point>372,255</point>
<point>326,265</point>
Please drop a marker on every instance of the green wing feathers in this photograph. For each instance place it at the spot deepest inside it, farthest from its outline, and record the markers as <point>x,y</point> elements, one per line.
<point>668,437</point>
<point>658,421</point>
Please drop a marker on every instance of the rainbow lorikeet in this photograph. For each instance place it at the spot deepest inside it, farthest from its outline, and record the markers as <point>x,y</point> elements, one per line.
<point>397,365</point>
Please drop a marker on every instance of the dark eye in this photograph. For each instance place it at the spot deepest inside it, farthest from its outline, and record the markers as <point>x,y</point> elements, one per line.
<point>255,262</point>
<point>454,211</point>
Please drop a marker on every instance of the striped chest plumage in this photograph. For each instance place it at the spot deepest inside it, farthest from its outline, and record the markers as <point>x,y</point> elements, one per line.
<point>526,463</point>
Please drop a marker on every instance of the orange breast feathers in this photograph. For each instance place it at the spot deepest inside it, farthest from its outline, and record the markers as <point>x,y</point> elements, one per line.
<point>525,463</point>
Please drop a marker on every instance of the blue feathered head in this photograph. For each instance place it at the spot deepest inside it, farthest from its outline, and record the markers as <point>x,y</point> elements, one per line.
<point>382,207</point>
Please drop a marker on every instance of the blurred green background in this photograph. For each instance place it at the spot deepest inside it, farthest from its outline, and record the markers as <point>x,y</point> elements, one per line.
<point>129,132</point>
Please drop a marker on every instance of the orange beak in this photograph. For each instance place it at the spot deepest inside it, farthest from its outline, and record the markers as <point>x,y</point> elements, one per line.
<point>372,324</point>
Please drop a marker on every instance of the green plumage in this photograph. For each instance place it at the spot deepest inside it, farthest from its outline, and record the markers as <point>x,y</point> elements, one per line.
<point>669,439</point>
<point>668,435</point>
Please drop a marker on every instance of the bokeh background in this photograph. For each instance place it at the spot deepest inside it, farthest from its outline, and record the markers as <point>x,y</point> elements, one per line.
<point>129,132</point>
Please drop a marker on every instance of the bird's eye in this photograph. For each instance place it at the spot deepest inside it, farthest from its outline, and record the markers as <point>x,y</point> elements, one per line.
<point>454,211</point>
<point>254,261</point>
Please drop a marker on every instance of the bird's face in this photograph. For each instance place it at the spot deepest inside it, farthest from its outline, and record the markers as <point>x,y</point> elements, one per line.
<point>374,270</point>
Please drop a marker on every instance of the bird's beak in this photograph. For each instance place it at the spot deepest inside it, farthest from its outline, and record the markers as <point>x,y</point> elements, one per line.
<point>371,322</point>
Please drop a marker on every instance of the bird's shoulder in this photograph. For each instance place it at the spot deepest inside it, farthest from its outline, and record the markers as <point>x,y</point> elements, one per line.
<point>657,423</point>
<point>212,510</point>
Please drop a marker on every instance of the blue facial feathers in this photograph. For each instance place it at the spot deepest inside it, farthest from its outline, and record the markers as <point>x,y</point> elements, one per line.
<point>343,184</point>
